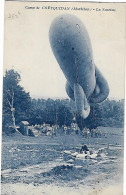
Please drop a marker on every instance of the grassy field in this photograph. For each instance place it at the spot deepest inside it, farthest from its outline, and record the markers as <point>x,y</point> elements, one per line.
<point>45,160</point>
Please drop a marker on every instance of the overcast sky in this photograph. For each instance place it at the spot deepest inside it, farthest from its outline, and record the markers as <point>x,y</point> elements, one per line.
<point>27,48</point>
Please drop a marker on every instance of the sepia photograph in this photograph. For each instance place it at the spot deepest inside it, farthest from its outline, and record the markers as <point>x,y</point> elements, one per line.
<point>63,98</point>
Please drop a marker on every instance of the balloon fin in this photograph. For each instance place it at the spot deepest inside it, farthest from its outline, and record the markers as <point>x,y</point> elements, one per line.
<point>101,89</point>
<point>69,91</point>
<point>82,105</point>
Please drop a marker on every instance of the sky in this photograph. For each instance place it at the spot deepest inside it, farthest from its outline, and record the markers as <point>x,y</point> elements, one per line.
<point>27,48</point>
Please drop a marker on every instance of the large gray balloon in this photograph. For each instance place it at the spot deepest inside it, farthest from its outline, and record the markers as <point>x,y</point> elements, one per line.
<point>71,46</point>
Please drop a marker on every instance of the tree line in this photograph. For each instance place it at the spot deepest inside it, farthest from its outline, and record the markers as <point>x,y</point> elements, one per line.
<point>19,106</point>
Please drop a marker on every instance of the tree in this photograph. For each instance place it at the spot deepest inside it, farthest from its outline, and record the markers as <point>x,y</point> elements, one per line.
<point>64,116</point>
<point>16,101</point>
